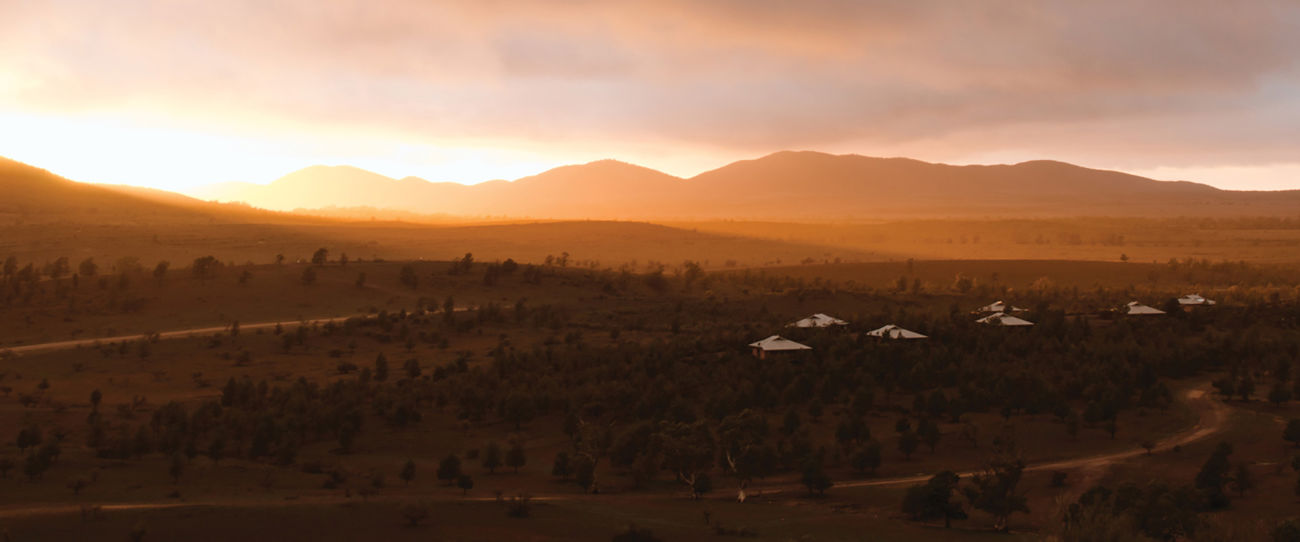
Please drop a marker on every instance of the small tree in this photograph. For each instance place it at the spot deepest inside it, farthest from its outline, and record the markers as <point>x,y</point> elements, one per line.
<point>88,268</point>
<point>560,468</point>
<point>814,477</point>
<point>320,257</point>
<point>381,367</point>
<point>1242,479</point>
<point>933,500</point>
<point>515,457</point>
<point>177,467</point>
<point>465,483</point>
<point>414,513</point>
<point>408,472</point>
<point>308,276</point>
<point>994,491</point>
<point>492,457</point>
<point>907,443</point>
<point>449,469</point>
<point>1292,432</point>
<point>407,277</point>
<point>1214,475</point>
<point>866,458</point>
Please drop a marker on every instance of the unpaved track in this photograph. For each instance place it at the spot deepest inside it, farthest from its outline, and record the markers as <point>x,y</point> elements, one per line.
<point>1213,416</point>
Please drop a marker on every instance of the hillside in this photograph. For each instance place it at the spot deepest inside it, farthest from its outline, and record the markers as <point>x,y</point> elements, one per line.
<point>782,186</point>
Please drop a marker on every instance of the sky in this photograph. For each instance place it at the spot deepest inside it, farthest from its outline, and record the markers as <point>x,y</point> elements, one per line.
<point>175,94</point>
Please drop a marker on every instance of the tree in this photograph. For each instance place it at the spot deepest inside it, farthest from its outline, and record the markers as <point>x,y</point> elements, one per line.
<point>160,270</point>
<point>492,457</point>
<point>465,483</point>
<point>407,277</point>
<point>414,513</point>
<point>517,409</point>
<point>1242,479</point>
<point>87,267</point>
<point>412,368</point>
<point>95,398</point>
<point>408,472</point>
<point>449,468</point>
<point>177,467</point>
<point>28,437</point>
<point>561,468</point>
<point>308,276</point>
<point>814,476</point>
<point>907,443</point>
<point>1214,475</point>
<point>933,500</point>
<point>1292,432</point>
<point>928,431</point>
<point>1246,388</point>
<point>515,457</point>
<point>1227,387</point>
<point>994,491</point>
<point>381,367</point>
<point>1287,531</point>
<point>866,458</point>
<point>320,257</point>
<point>1280,393</point>
<point>343,259</point>
<point>361,280</point>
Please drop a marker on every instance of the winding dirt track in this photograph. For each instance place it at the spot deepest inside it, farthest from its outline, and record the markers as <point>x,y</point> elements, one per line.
<point>1213,415</point>
<point>177,334</point>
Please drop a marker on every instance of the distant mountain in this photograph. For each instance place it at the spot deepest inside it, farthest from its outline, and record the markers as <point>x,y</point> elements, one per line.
<point>33,195</point>
<point>783,185</point>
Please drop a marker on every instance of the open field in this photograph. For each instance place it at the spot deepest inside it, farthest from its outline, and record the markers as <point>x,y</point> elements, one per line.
<point>573,344</point>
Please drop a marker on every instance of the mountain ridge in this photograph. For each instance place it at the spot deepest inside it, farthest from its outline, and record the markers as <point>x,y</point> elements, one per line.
<point>779,185</point>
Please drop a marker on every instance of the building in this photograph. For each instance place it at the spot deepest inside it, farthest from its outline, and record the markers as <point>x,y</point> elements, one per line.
<point>1004,320</point>
<point>999,306</point>
<point>819,320</point>
<point>892,331</point>
<point>776,344</point>
<point>1194,300</point>
<point>1137,309</point>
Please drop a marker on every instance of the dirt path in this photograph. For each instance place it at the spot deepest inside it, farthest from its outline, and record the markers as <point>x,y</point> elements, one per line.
<point>181,333</point>
<point>1213,415</point>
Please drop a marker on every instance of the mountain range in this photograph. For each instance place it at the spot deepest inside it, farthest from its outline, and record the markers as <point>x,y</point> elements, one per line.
<point>787,185</point>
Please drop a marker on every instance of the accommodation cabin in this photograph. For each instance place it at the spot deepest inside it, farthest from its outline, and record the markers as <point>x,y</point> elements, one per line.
<point>819,320</point>
<point>1003,320</point>
<point>776,344</point>
<point>892,331</point>
<point>1137,309</point>
<point>999,306</point>
<point>1191,301</point>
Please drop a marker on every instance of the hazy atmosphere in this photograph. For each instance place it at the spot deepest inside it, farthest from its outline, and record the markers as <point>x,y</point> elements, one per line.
<point>178,94</point>
<point>900,271</point>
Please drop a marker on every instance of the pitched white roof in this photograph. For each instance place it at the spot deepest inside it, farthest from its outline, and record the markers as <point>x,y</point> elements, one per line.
<point>1134,307</point>
<point>819,320</point>
<point>1003,319</point>
<point>776,343</point>
<point>999,306</point>
<point>892,331</point>
<point>1194,299</point>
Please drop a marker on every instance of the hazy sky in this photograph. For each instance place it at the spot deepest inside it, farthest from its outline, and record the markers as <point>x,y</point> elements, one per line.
<point>174,93</point>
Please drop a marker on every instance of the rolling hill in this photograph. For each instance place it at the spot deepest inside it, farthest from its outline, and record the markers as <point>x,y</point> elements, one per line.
<point>786,185</point>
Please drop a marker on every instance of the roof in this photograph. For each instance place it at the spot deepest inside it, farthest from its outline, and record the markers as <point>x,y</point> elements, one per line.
<point>999,306</point>
<point>819,320</point>
<point>1136,308</point>
<point>777,343</point>
<point>894,332</point>
<point>1194,299</point>
<point>1003,319</point>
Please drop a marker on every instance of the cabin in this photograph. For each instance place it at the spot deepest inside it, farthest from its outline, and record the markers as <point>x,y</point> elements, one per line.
<point>1191,301</point>
<point>998,306</point>
<point>820,320</point>
<point>1137,309</point>
<point>1003,320</point>
<point>776,345</point>
<point>892,331</point>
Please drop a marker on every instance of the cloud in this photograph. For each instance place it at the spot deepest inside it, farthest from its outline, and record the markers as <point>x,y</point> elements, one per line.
<point>1147,83</point>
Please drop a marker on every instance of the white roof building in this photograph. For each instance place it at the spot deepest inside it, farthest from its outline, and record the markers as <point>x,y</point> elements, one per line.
<point>1003,319</point>
<point>892,331</point>
<point>999,306</point>
<point>776,343</point>
<point>1194,299</point>
<point>819,320</point>
<point>1137,309</point>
